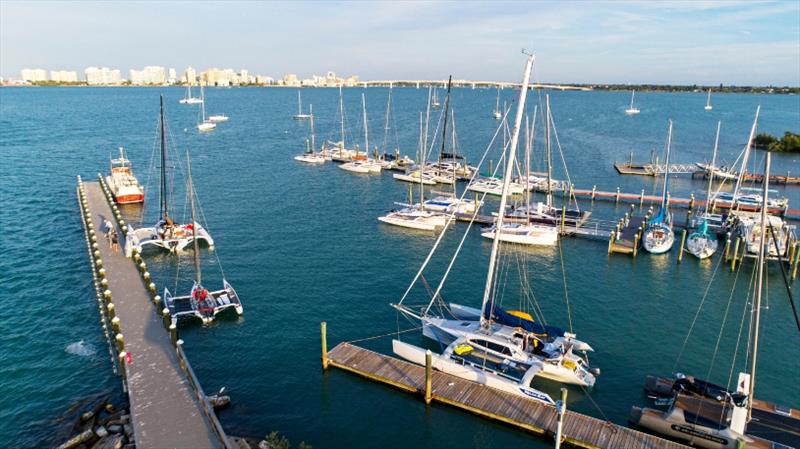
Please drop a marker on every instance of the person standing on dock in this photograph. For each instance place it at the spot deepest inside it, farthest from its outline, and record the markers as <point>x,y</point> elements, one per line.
<point>114,240</point>
<point>107,227</point>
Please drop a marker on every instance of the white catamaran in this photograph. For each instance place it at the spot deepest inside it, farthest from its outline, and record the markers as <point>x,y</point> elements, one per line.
<point>501,349</point>
<point>166,233</point>
<point>200,303</point>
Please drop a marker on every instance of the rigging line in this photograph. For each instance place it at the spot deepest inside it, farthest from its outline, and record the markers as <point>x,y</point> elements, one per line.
<point>385,335</point>
<point>783,273</point>
<point>741,328</point>
<point>697,314</point>
<point>564,278</point>
<point>441,235</point>
<point>563,161</point>
<point>150,168</point>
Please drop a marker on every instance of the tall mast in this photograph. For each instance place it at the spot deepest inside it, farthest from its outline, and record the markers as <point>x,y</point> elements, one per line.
<point>311,120</point>
<point>487,292</point>
<point>203,103</point>
<point>549,157</point>
<point>427,122</point>
<point>713,164</point>
<point>633,92</point>
<point>162,192</point>
<point>421,162</point>
<point>497,104</point>
<point>453,148</point>
<point>198,277</point>
<point>759,285</point>
<point>341,113</point>
<point>664,204</point>
<point>386,121</point>
<point>740,179</point>
<point>528,166</point>
<point>366,128</point>
<point>299,104</point>
<point>446,110</point>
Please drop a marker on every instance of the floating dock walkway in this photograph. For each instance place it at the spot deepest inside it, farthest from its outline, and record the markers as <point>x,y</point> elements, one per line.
<point>578,430</point>
<point>167,404</point>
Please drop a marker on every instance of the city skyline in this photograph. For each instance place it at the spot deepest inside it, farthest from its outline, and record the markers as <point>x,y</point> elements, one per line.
<point>731,43</point>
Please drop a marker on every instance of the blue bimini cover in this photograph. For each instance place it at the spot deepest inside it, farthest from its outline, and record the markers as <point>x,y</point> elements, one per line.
<point>500,316</point>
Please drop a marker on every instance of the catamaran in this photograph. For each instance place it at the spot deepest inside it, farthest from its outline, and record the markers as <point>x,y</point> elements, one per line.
<point>365,164</point>
<point>123,185</point>
<point>300,115</point>
<point>310,156</point>
<point>491,346</point>
<point>188,99</point>
<point>708,101</point>
<point>713,417</point>
<point>201,303</point>
<point>658,236</point>
<point>166,233</point>
<point>204,125</point>
<point>631,109</point>
<point>702,243</point>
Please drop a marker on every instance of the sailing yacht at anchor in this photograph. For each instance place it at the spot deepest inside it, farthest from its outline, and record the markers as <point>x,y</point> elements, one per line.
<point>702,243</point>
<point>300,115</point>
<point>188,99</point>
<point>494,347</point>
<point>632,110</point>
<point>166,233</point>
<point>310,156</point>
<point>204,125</point>
<point>658,236</point>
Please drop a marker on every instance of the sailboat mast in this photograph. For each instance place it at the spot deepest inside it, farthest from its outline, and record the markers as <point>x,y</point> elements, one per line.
<point>487,292</point>
<point>203,103</point>
<point>163,190</point>
<point>713,164</point>
<point>740,179</point>
<point>386,122</point>
<point>446,110</point>
<point>366,128</point>
<point>198,277</point>
<point>299,104</point>
<point>453,147</point>
<point>341,113</point>
<point>421,162</point>
<point>549,151</point>
<point>759,285</point>
<point>311,120</point>
<point>528,166</point>
<point>633,92</point>
<point>664,204</point>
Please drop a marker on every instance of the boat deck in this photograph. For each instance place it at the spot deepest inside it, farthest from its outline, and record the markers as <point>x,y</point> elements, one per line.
<point>579,430</point>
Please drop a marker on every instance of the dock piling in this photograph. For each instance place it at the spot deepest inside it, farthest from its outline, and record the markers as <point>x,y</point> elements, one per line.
<point>616,199</point>
<point>683,243</point>
<point>594,190</point>
<point>735,253</point>
<point>428,376</point>
<point>561,408</point>
<point>727,245</point>
<point>563,217</point>
<point>635,244</point>
<point>323,329</point>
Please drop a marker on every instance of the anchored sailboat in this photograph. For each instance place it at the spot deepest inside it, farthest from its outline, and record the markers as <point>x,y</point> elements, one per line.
<point>631,109</point>
<point>309,155</point>
<point>188,99</point>
<point>494,347</point>
<point>708,101</point>
<point>358,164</point>
<point>658,236</point>
<point>204,125</point>
<point>336,151</point>
<point>166,233</point>
<point>300,115</point>
<point>497,114</point>
<point>702,243</point>
<point>200,303</point>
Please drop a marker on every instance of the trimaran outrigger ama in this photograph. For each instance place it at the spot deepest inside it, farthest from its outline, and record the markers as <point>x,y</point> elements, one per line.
<point>497,348</point>
<point>201,303</point>
<point>166,233</point>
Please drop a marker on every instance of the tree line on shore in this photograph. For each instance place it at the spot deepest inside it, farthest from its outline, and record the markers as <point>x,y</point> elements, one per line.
<point>789,143</point>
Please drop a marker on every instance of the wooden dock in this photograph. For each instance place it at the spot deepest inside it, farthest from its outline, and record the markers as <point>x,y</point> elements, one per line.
<point>167,405</point>
<point>526,414</point>
<point>627,240</point>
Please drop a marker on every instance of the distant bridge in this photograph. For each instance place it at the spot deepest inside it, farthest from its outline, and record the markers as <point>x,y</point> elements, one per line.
<point>465,83</point>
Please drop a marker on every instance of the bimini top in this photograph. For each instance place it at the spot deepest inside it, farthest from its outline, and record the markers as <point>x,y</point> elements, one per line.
<point>501,316</point>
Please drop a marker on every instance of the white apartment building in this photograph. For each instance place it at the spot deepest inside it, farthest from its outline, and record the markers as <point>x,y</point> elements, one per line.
<point>64,76</point>
<point>102,76</point>
<point>33,75</point>
<point>150,75</point>
<point>173,76</point>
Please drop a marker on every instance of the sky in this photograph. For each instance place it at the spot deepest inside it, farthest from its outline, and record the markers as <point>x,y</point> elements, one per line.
<point>659,42</point>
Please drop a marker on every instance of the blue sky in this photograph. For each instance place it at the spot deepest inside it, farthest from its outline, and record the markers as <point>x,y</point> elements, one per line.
<point>663,42</point>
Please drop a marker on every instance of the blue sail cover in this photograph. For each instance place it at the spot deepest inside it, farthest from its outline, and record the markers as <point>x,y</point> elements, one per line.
<point>659,218</point>
<point>500,316</point>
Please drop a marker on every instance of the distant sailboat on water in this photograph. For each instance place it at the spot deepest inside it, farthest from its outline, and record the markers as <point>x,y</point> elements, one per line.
<point>708,101</point>
<point>632,110</point>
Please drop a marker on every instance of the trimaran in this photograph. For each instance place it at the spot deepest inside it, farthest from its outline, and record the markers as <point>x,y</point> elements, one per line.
<point>492,346</point>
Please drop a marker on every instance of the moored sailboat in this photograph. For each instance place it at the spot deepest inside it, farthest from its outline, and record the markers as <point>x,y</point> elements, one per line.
<point>632,110</point>
<point>702,243</point>
<point>300,115</point>
<point>188,99</point>
<point>204,125</point>
<point>658,235</point>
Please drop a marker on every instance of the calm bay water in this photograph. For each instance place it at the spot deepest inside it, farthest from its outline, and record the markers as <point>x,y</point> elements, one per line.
<point>302,244</point>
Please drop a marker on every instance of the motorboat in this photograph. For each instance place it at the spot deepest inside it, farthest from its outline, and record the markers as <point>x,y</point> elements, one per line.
<point>123,184</point>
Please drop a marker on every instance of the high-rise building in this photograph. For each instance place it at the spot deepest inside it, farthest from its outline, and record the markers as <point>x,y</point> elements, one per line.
<point>190,76</point>
<point>102,76</point>
<point>34,75</point>
<point>64,76</point>
<point>290,79</point>
<point>173,76</point>
<point>150,75</point>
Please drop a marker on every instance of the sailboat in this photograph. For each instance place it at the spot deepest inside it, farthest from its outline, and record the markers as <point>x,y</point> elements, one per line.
<point>501,349</point>
<point>300,115</point>
<point>365,164</point>
<point>204,124</point>
<point>392,160</point>
<point>188,99</point>
<point>419,174</point>
<point>708,101</point>
<point>336,151</point>
<point>701,243</point>
<point>309,156</point>
<point>658,236</point>
<point>123,185</point>
<point>201,303</point>
<point>497,114</point>
<point>435,100</point>
<point>415,216</point>
<point>710,416</point>
<point>631,109</point>
<point>166,234</point>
